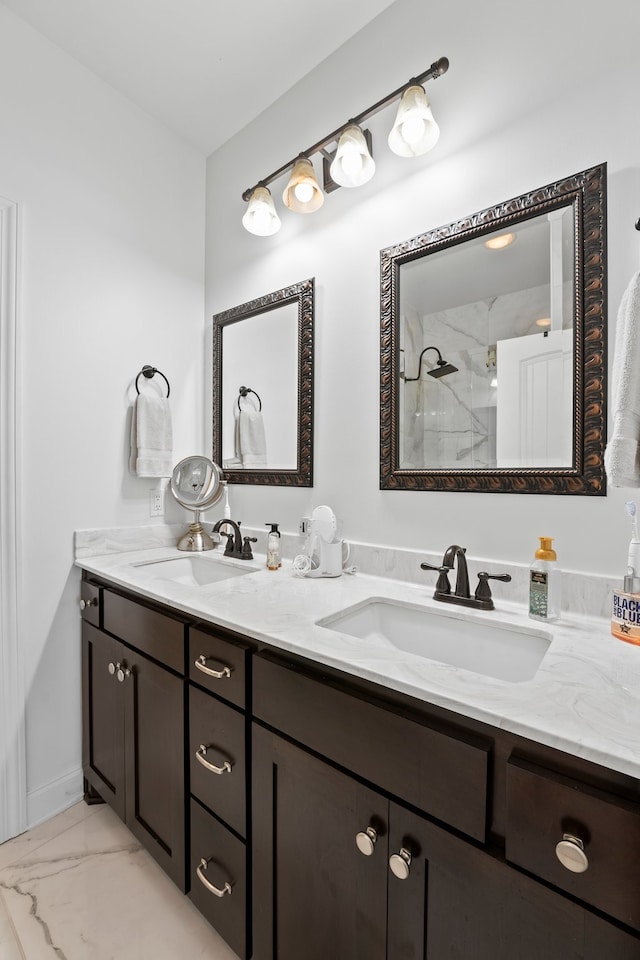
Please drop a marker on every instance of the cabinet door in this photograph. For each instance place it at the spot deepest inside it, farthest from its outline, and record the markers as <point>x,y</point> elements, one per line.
<point>155,762</point>
<point>457,901</point>
<point>102,708</point>
<point>315,894</point>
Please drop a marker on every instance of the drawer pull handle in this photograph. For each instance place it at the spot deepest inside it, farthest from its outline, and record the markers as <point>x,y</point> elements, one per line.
<point>201,757</point>
<point>400,864</point>
<point>92,602</point>
<point>570,853</point>
<point>201,664</point>
<point>366,841</point>
<point>217,891</point>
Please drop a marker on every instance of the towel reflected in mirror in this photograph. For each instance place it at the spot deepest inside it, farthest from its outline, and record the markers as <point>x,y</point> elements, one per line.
<point>249,436</point>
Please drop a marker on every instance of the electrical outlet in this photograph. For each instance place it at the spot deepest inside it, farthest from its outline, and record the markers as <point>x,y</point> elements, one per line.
<point>303,527</point>
<point>156,503</point>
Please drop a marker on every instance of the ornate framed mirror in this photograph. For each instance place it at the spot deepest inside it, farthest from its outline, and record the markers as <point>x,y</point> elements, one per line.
<point>263,388</point>
<point>492,348</point>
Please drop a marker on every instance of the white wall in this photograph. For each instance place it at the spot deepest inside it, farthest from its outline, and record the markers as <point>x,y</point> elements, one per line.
<point>111,274</point>
<point>534,93</point>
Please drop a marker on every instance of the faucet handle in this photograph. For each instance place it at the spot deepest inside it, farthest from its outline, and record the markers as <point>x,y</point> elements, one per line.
<point>483,590</point>
<point>246,547</point>
<point>442,584</point>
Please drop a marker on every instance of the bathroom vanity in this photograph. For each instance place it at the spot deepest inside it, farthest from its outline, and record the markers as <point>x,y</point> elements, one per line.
<point>309,809</point>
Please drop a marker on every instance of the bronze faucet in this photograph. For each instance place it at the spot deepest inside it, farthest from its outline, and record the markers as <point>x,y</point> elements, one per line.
<point>482,599</point>
<point>237,546</point>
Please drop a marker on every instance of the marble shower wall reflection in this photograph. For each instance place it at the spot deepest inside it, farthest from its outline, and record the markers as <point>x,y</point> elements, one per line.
<point>450,423</point>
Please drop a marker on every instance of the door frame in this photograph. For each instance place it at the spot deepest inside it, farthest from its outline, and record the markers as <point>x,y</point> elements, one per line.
<point>13,780</point>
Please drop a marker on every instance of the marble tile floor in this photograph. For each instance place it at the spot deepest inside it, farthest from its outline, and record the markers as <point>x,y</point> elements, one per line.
<point>80,887</point>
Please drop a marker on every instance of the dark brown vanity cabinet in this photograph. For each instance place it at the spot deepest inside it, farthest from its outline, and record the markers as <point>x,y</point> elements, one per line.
<point>345,866</point>
<point>134,724</point>
<point>310,814</point>
<point>342,871</point>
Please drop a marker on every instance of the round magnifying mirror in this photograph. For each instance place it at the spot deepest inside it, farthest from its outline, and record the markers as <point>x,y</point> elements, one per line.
<point>196,483</point>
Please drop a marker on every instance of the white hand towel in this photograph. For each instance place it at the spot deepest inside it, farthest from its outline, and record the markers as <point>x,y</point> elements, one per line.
<point>252,442</point>
<point>621,458</point>
<point>151,437</point>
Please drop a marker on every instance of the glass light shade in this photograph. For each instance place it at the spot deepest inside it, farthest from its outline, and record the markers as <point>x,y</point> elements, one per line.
<point>260,217</point>
<point>352,165</point>
<point>303,194</point>
<point>414,131</point>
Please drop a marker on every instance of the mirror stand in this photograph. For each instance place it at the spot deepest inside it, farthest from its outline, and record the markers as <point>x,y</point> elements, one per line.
<point>196,538</point>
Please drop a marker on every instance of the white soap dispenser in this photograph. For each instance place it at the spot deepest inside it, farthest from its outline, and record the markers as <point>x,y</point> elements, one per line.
<point>274,555</point>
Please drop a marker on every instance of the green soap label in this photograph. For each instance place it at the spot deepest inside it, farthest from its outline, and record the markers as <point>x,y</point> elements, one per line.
<point>538,593</point>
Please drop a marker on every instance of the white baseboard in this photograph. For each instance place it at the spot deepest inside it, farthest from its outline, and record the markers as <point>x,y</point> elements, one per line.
<point>54,797</point>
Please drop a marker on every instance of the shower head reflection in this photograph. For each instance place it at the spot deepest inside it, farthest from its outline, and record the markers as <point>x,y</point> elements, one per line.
<point>442,369</point>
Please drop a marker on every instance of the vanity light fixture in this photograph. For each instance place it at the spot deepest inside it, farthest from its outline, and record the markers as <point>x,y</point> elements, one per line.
<point>303,194</point>
<point>415,131</point>
<point>350,163</point>
<point>500,242</point>
<point>353,164</point>
<point>261,217</point>
<point>543,322</point>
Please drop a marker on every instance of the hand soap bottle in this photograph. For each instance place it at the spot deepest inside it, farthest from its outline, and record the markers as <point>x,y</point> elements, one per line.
<point>274,558</point>
<point>544,583</point>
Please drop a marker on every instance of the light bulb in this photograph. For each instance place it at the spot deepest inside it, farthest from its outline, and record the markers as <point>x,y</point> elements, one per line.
<point>303,192</point>
<point>351,163</point>
<point>261,219</point>
<point>413,129</point>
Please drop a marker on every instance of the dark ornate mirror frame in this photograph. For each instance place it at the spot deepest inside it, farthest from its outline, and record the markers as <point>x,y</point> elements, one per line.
<point>303,294</point>
<point>586,191</point>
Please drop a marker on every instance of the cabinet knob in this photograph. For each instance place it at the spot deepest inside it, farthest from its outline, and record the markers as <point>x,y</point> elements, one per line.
<point>400,864</point>
<point>366,841</point>
<point>201,757</point>
<point>217,891</point>
<point>201,664</point>
<point>91,602</point>
<point>122,673</point>
<point>570,853</point>
<point>112,667</point>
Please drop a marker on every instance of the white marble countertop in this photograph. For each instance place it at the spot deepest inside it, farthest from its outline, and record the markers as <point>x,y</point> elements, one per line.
<point>584,698</point>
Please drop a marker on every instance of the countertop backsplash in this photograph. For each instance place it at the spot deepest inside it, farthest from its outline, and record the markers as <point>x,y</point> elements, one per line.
<point>582,593</point>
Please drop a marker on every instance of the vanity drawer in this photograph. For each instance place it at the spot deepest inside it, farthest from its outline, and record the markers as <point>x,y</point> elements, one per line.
<point>220,730</point>
<point>442,772</point>
<point>226,862</point>
<point>543,807</point>
<point>145,628</point>
<point>219,664</point>
<point>90,602</point>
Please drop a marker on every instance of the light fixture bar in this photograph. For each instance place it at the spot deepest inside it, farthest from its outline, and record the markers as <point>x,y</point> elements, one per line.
<point>437,69</point>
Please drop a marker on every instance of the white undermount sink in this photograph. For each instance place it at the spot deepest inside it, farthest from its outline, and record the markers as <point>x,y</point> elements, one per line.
<point>193,569</point>
<point>487,647</point>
